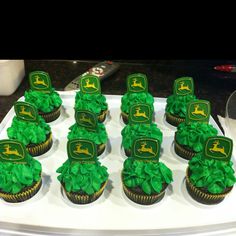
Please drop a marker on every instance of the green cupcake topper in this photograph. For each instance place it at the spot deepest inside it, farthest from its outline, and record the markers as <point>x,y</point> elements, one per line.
<point>137,83</point>
<point>146,149</point>
<point>86,119</point>
<point>184,86</point>
<point>26,111</point>
<point>140,114</point>
<point>198,111</point>
<point>219,148</point>
<point>81,150</point>
<point>90,84</point>
<point>40,81</point>
<point>12,151</point>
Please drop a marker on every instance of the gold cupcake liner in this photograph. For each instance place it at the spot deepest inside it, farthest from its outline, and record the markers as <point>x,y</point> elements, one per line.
<point>174,120</point>
<point>84,198</point>
<point>101,148</point>
<point>203,197</point>
<point>183,152</point>
<point>41,148</point>
<point>22,196</point>
<point>125,117</point>
<point>51,116</point>
<point>102,116</point>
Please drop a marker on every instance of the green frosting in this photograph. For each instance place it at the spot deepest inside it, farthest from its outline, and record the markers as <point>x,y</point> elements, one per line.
<point>92,102</point>
<point>148,176</point>
<point>194,135</point>
<point>15,177</point>
<point>45,102</point>
<point>83,178</point>
<point>131,132</point>
<point>29,132</point>
<point>130,99</point>
<point>99,136</point>
<point>211,174</point>
<point>177,105</point>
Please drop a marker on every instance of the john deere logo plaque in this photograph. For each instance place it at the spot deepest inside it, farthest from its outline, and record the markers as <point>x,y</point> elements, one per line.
<point>40,81</point>
<point>219,148</point>
<point>184,86</point>
<point>140,114</point>
<point>147,149</point>
<point>137,83</point>
<point>12,151</point>
<point>81,150</point>
<point>86,119</point>
<point>90,84</point>
<point>26,111</point>
<point>199,111</point>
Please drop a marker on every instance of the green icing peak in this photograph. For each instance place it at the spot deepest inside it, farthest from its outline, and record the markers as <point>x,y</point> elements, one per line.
<point>83,178</point>
<point>148,176</point>
<point>194,135</point>
<point>45,102</point>
<point>29,132</point>
<point>213,175</point>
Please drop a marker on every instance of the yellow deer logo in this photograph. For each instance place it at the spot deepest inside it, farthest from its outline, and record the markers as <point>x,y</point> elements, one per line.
<point>198,112</point>
<point>88,85</point>
<point>39,81</point>
<point>135,84</point>
<point>8,151</point>
<point>146,149</point>
<point>85,119</point>
<point>183,87</point>
<point>215,148</point>
<point>24,112</point>
<point>140,114</point>
<point>79,150</point>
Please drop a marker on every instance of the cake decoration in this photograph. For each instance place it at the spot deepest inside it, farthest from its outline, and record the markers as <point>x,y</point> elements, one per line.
<point>87,119</point>
<point>137,83</point>
<point>140,114</point>
<point>40,81</point>
<point>90,84</point>
<point>184,86</point>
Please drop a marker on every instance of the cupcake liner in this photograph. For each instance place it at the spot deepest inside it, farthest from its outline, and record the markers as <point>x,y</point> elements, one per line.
<point>125,117</point>
<point>51,116</point>
<point>183,152</point>
<point>24,195</point>
<point>41,148</point>
<point>102,116</point>
<point>203,196</point>
<point>84,198</point>
<point>101,149</point>
<point>127,152</point>
<point>174,120</point>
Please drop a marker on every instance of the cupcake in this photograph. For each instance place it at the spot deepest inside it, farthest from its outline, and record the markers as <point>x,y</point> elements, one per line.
<point>43,96</point>
<point>31,129</point>
<point>82,176</point>
<point>140,125</point>
<point>137,92</point>
<point>210,174</point>
<point>87,127</point>
<point>191,135</point>
<point>90,98</point>
<point>176,106</point>
<point>20,174</point>
<point>144,178</point>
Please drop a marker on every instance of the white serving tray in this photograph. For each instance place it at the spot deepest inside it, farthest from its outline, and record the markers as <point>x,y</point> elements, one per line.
<point>50,212</point>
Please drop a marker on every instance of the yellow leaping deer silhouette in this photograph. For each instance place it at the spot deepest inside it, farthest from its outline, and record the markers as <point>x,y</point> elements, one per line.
<point>24,112</point>
<point>215,148</point>
<point>39,81</point>
<point>79,150</point>
<point>198,112</point>
<point>86,119</point>
<point>183,87</point>
<point>140,114</point>
<point>135,84</point>
<point>88,85</point>
<point>145,149</point>
<point>8,151</point>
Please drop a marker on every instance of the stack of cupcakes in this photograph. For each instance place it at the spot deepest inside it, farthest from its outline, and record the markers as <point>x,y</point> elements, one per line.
<point>137,92</point>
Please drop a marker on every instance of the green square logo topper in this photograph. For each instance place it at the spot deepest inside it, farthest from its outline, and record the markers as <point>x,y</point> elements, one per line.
<point>198,111</point>
<point>219,148</point>
<point>81,150</point>
<point>86,119</point>
<point>146,149</point>
<point>90,84</point>
<point>12,151</point>
<point>140,114</point>
<point>40,81</point>
<point>26,111</point>
<point>137,83</point>
<point>184,86</point>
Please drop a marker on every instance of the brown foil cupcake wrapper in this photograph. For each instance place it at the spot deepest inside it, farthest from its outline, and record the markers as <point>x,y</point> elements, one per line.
<point>173,120</point>
<point>39,149</point>
<point>84,198</point>
<point>183,152</point>
<point>101,149</point>
<point>203,197</point>
<point>125,117</point>
<point>102,116</point>
<point>51,116</point>
<point>127,152</point>
<point>22,196</point>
